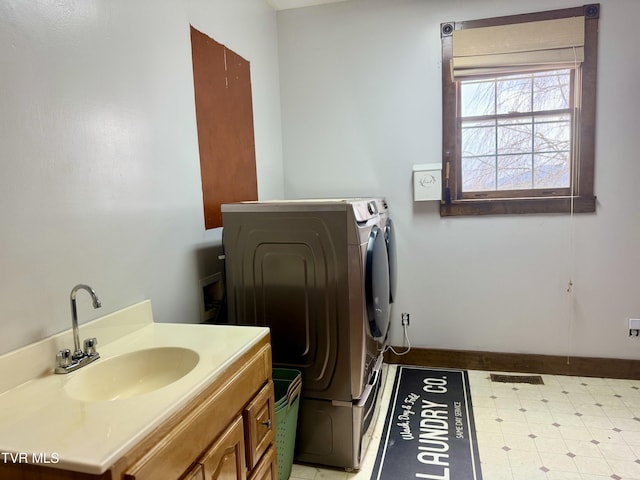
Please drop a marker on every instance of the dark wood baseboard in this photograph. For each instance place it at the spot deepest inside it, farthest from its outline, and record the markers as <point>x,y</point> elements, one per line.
<point>518,362</point>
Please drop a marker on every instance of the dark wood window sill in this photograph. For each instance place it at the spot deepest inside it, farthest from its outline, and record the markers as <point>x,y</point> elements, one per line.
<point>506,206</point>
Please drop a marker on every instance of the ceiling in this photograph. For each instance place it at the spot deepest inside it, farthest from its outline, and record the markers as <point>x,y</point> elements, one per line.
<point>287,4</point>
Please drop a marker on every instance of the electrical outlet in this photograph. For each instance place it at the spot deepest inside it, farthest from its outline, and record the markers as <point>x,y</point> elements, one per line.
<point>405,319</point>
<point>634,327</point>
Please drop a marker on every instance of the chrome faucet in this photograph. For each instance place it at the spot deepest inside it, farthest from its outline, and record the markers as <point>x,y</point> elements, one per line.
<point>68,362</point>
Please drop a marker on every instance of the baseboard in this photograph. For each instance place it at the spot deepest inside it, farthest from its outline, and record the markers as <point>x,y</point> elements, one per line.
<point>518,362</point>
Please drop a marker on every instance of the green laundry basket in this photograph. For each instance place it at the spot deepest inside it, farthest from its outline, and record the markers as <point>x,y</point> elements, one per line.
<point>287,384</point>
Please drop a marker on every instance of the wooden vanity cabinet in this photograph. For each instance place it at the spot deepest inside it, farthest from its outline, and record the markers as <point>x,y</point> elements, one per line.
<point>227,432</point>
<point>259,425</point>
<point>246,444</point>
<point>197,473</point>
<point>267,469</point>
<point>225,459</point>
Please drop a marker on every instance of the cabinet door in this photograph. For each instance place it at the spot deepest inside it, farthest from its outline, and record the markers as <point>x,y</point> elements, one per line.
<point>225,459</point>
<point>267,469</point>
<point>196,473</point>
<point>259,418</point>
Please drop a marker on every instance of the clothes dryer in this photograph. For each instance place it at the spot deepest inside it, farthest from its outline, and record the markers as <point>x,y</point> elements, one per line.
<point>389,235</point>
<point>317,273</point>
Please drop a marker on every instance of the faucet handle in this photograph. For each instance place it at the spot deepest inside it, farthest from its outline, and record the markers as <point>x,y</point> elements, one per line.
<point>90,346</point>
<point>64,358</point>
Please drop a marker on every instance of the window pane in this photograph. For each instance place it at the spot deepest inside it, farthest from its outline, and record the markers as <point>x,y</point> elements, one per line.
<point>551,90</point>
<point>508,151</point>
<point>478,98</point>
<point>478,138</point>
<point>551,170</point>
<point>515,172</point>
<point>478,173</point>
<point>514,135</point>
<point>552,134</point>
<point>514,94</point>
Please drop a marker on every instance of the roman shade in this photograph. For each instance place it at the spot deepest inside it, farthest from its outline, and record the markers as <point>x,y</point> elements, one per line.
<point>504,49</point>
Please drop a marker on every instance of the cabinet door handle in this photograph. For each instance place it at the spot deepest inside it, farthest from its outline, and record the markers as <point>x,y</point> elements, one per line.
<point>267,423</point>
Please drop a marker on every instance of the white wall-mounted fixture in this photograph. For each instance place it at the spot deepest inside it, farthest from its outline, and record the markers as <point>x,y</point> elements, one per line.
<point>634,327</point>
<point>427,182</point>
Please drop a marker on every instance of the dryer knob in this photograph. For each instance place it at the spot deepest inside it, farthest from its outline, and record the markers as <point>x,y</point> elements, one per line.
<point>373,209</point>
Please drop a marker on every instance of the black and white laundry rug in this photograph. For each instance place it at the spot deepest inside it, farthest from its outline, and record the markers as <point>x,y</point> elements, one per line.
<point>429,432</point>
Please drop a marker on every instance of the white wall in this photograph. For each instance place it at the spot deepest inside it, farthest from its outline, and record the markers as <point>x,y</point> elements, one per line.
<point>361,103</point>
<point>99,165</point>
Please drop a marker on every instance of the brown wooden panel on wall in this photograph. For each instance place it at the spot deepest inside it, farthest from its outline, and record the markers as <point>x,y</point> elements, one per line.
<point>224,114</point>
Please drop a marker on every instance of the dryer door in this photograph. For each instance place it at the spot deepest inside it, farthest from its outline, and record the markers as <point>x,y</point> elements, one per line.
<point>390,238</point>
<point>377,283</point>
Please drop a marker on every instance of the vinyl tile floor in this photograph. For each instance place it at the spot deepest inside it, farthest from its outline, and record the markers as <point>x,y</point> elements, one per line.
<point>570,428</point>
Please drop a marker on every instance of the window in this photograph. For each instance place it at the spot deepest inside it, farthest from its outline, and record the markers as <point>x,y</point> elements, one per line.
<point>519,113</point>
<point>516,133</point>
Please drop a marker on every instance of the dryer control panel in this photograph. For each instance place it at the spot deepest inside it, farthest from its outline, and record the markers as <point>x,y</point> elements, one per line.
<point>365,210</point>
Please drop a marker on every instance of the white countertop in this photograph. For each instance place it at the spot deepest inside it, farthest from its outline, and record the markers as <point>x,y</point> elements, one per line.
<point>41,422</point>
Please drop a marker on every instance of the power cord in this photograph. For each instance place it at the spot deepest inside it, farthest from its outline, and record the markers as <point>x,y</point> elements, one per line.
<point>405,327</point>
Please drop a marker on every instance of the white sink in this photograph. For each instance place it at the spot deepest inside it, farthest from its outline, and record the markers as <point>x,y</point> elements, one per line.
<point>92,417</point>
<point>131,374</point>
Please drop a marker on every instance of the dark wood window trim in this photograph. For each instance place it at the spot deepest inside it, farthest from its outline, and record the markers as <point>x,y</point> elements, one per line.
<point>584,200</point>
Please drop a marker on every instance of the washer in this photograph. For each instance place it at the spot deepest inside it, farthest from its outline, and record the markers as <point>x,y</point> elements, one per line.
<point>317,273</point>
<point>390,240</point>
